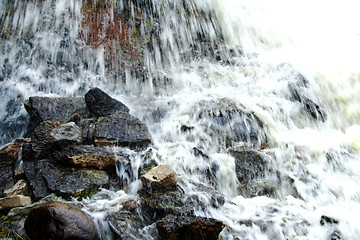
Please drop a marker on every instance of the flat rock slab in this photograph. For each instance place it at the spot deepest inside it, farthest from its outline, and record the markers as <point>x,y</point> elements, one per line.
<point>55,109</point>
<point>159,178</point>
<point>189,228</point>
<point>124,128</point>
<point>59,220</point>
<point>46,176</point>
<point>100,104</point>
<point>14,201</point>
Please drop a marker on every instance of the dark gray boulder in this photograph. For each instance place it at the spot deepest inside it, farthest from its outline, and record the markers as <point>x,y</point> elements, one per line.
<point>46,176</point>
<point>126,225</point>
<point>124,128</point>
<point>100,104</point>
<point>189,228</point>
<point>55,109</point>
<point>58,220</point>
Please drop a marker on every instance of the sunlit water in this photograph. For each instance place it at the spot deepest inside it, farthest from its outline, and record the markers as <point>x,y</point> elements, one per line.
<point>318,163</point>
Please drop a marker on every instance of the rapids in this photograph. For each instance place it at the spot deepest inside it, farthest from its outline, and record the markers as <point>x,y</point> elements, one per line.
<point>261,47</point>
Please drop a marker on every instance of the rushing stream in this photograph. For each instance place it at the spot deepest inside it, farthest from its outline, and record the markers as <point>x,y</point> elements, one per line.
<point>204,58</point>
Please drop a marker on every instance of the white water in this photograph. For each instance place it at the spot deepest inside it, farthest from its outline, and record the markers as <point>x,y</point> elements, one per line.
<point>319,39</point>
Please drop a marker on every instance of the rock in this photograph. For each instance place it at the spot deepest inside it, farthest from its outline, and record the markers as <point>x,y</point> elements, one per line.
<point>39,146</point>
<point>9,154</point>
<point>124,128</point>
<point>46,176</point>
<point>325,219</point>
<point>125,225</point>
<point>14,201</point>
<point>88,156</point>
<point>99,142</point>
<point>159,178</point>
<point>189,228</point>
<point>20,188</point>
<point>249,164</point>
<point>87,130</point>
<point>7,179</point>
<point>59,220</point>
<point>53,109</point>
<point>336,235</point>
<point>100,104</point>
<point>255,188</point>
<point>66,134</point>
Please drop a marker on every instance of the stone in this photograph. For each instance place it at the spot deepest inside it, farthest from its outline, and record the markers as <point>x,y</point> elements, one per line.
<point>39,146</point>
<point>87,130</point>
<point>100,104</point>
<point>9,154</point>
<point>14,201</point>
<point>159,178</point>
<point>20,188</point>
<point>66,134</point>
<point>47,176</point>
<point>255,188</point>
<point>249,164</point>
<point>55,109</point>
<point>7,179</point>
<point>125,225</point>
<point>189,228</point>
<point>325,219</point>
<point>100,142</point>
<point>58,220</point>
<point>127,130</point>
<point>88,156</point>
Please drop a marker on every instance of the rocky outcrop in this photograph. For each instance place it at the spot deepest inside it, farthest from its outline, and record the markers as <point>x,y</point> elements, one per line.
<point>46,176</point>
<point>124,128</point>
<point>59,220</point>
<point>55,109</point>
<point>159,178</point>
<point>189,228</point>
<point>100,104</point>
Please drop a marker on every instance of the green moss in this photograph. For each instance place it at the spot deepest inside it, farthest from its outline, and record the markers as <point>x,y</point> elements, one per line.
<point>86,193</point>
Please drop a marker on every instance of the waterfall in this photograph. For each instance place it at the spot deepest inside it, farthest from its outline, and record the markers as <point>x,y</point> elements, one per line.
<point>207,77</point>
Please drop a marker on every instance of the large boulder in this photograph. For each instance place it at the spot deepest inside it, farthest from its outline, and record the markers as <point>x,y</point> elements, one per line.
<point>59,220</point>
<point>189,228</point>
<point>55,109</point>
<point>100,104</point>
<point>46,176</point>
<point>124,128</point>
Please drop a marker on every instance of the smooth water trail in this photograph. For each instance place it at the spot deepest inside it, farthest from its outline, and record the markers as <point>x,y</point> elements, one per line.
<point>214,75</point>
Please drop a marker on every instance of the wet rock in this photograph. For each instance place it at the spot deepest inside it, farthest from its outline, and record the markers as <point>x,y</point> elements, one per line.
<point>46,176</point>
<point>159,178</point>
<point>87,130</point>
<point>125,225</point>
<point>124,128</point>
<point>325,219</point>
<point>53,109</point>
<point>14,201</point>
<point>185,128</point>
<point>100,104</point>
<point>9,154</point>
<point>255,188</point>
<point>20,188</point>
<point>66,134</point>
<point>189,228</point>
<point>249,164</point>
<point>99,142</point>
<point>336,235</point>
<point>88,156</point>
<point>39,146</point>
<point>59,220</point>
<point>7,179</point>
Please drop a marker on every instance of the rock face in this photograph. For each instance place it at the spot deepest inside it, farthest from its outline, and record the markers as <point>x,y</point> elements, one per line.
<point>14,201</point>
<point>46,176</point>
<point>53,109</point>
<point>189,228</point>
<point>65,134</point>
<point>8,156</point>
<point>100,104</point>
<point>159,178</point>
<point>124,128</point>
<point>59,220</point>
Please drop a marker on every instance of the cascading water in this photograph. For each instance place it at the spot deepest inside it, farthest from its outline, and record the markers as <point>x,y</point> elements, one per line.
<point>212,76</point>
